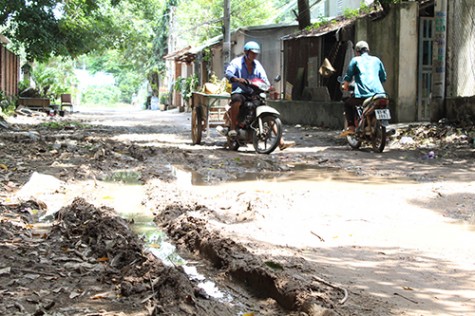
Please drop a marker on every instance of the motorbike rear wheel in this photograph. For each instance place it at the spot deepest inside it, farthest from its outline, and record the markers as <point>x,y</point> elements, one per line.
<point>267,140</point>
<point>378,139</point>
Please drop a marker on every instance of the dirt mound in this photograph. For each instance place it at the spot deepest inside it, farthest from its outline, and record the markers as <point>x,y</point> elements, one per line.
<point>264,277</point>
<point>89,263</point>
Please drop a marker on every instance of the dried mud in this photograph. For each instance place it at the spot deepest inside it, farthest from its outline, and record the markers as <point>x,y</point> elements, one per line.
<point>88,261</point>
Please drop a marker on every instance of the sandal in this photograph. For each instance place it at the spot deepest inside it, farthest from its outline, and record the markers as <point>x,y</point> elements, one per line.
<point>348,131</point>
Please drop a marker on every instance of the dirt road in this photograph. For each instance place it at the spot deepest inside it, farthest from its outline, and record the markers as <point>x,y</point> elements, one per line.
<point>318,229</point>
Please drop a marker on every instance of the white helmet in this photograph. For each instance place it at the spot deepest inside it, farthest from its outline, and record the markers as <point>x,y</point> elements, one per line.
<point>361,46</point>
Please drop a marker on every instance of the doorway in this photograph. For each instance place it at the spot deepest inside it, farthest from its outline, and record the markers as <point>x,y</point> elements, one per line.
<point>426,37</point>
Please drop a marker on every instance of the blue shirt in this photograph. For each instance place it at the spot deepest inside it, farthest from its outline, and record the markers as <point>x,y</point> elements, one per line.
<point>368,73</point>
<point>237,69</point>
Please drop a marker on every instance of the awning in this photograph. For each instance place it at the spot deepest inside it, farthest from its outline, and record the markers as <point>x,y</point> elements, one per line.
<point>335,26</point>
<point>188,54</point>
<point>175,54</point>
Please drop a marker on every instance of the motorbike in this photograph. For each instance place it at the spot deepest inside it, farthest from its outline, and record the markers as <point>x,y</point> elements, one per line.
<point>371,122</point>
<point>258,123</point>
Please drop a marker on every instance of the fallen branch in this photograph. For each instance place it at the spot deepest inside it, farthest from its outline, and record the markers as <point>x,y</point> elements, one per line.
<point>345,292</point>
<point>315,234</point>
<point>36,272</point>
<point>406,298</point>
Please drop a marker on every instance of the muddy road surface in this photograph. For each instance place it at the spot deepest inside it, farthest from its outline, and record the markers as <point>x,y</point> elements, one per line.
<point>117,213</point>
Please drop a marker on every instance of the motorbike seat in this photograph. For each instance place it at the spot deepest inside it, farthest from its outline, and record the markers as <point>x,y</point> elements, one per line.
<point>377,96</point>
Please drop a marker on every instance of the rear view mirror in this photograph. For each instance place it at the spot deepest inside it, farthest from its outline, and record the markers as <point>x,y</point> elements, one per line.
<point>277,78</point>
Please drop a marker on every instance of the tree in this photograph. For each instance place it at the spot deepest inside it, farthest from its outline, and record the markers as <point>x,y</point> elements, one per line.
<point>304,14</point>
<point>199,20</point>
<point>45,28</point>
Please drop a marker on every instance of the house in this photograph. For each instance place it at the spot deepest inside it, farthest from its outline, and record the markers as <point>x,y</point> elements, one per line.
<point>9,69</point>
<point>207,59</point>
<point>319,97</point>
<point>427,52</point>
<point>460,69</point>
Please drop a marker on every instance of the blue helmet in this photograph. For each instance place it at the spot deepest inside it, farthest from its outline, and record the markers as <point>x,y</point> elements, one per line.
<point>253,47</point>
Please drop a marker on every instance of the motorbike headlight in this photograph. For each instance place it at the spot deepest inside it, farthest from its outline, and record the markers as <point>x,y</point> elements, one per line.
<point>262,95</point>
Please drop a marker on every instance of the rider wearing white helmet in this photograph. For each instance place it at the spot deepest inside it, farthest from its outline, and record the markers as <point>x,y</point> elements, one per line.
<point>369,75</point>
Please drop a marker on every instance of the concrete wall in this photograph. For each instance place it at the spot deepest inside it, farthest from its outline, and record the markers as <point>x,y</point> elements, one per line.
<point>325,114</point>
<point>460,80</point>
<point>460,109</point>
<point>394,39</point>
<point>268,37</point>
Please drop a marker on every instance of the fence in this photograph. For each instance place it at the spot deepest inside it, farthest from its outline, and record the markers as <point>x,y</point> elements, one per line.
<point>9,70</point>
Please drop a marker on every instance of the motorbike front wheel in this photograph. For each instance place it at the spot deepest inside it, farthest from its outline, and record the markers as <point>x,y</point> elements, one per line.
<point>378,139</point>
<point>353,141</point>
<point>196,125</point>
<point>266,140</point>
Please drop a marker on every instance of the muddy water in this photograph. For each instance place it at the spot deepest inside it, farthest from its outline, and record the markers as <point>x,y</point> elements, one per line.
<point>123,192</point>
<point>298,173</point>
<point>327,209</point>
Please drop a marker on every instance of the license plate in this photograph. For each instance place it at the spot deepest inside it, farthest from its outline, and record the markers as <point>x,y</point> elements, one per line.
<point>382,114</point>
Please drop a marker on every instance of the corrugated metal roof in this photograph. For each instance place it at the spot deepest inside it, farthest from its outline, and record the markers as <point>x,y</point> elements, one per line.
<point>176,53</point>
<point>331,27</point>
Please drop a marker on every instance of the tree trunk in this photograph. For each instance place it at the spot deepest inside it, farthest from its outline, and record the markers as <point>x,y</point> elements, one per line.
<point>386,5</point>
<point>304,14</point>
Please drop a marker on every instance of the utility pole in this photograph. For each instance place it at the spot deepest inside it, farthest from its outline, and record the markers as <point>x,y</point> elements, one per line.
<point>227,33</point>
<point>439,62</point>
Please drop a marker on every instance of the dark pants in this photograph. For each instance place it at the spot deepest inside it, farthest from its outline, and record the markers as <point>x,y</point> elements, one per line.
<point>350,105</point>
<point>237,100</point>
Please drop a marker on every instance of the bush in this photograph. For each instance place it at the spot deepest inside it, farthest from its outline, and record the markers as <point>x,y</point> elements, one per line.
<point>7,104</point>
<point>164,97</point>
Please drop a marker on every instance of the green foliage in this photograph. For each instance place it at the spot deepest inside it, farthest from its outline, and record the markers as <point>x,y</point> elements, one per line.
<point>199,20</point>
<point>207,54</point>
<point>7,103</point>
<point>126,38</point>
<point>62,124</point>
<point>322,21</point>
<point>350,14</point>
<point>54,77</point>
<point>186,86</point>
<point>164,97</point>
<point>101,95</point>
<point>365,9</point>
<point>384,2</point>
<point>47,28</point>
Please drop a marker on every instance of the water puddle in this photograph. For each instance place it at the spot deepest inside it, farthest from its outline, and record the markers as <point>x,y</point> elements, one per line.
<point>298,173</point>
<point>126,177</point>
<point>127,199</point>
<point>157,244</point>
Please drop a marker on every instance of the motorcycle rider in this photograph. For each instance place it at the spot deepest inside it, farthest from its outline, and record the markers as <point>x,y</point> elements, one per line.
<point>369,75</point>
<point>240,70</point>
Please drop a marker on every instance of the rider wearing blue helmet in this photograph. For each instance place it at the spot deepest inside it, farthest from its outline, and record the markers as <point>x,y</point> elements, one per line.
<point>240,70</point>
